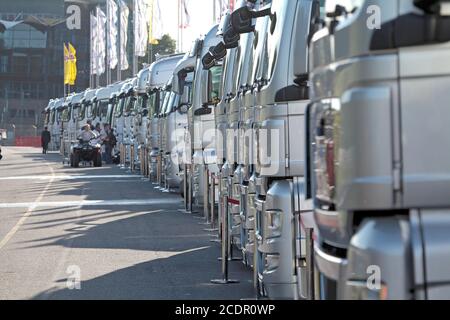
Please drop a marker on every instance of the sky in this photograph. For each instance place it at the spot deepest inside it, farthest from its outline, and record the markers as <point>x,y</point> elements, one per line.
<point>201,13</point>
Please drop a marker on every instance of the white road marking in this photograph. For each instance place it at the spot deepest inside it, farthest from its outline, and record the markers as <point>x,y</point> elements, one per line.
<point>68,177</point>
<point>87,203</point>
<point>31,206</point>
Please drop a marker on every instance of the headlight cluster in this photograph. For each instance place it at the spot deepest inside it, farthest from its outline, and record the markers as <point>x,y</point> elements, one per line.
<point>326,129</point>
<point>274,223</point>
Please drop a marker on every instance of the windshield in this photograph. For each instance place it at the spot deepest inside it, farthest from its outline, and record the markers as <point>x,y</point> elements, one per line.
<point>110,111</point>
<point>141,103</point>
<point>58,116</point>
<point>47,117</point>
<point>173,102</point>
<point>119,107</point>
<point>152,100</point>
<point>82,111</point>
<point>65,114</point>
<point>245,57</point>
<point>260,49</point>
<point>280,10</point>
<point>52,117</point>
<point>91,110</point>
<point>165,103</point>
<point>102,109</point>
<point>75,111</point>
<point>129,105</point>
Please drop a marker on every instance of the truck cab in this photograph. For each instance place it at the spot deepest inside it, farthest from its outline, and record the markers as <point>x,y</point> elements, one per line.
<point>378,150</point>
<point>201,122</point>
<point>69,118</point>
<point>129,113</point>
<point>118,122</point>
<point>283,218</point>
<point>160,73</point>
<point>55,120</point>
<point>141,117</point>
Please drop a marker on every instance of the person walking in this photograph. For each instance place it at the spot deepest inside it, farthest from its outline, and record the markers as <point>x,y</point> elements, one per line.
<point>45,140</point>
<point>109,142</point>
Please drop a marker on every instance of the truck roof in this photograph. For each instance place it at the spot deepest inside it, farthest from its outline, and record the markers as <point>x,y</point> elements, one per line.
<point>161,71</point>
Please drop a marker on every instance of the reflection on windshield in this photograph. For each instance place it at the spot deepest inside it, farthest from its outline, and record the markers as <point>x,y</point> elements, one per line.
<point>129,104</point>
<point>151,104</point>
<point>65,116</point>
<point>166,102</point>
<point>119,107</point>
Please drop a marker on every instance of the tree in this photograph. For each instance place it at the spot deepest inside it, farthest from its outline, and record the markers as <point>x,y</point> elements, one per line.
<point>166,45</point>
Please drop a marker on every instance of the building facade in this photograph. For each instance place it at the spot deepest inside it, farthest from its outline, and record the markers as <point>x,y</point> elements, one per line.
<point>32,34</point>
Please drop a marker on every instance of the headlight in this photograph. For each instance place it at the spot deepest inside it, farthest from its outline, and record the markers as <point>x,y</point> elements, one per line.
<point>272,261</point>
<point>325,150</point>
<point>274,223</point>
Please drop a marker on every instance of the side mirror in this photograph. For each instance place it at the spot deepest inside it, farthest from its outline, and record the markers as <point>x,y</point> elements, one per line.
<point>241,19</point>
<point>219,51</point>
<point>231,38</point>
<point>214,54</point>
<point>208,61</point>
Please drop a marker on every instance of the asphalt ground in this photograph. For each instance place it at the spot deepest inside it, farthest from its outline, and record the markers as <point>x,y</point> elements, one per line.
<point>101,233</point>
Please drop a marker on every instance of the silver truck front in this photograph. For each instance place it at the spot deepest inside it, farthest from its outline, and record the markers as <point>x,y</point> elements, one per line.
<point>379,198</point>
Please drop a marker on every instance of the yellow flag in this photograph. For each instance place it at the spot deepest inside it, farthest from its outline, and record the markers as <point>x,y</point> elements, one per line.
<point>151,39</point>
<point>72,65</point>
<point>66,65</point>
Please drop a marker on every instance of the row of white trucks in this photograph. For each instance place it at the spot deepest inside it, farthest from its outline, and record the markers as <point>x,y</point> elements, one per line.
<point>318,129</point>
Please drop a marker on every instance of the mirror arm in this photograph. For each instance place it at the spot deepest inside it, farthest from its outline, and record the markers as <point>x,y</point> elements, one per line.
<point>262,13</point>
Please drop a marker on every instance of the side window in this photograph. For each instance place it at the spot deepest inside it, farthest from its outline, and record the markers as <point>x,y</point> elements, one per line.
<point>216,75</point>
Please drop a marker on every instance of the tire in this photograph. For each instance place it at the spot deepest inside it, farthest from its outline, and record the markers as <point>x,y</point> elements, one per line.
<point>76,160</point>
<point>98,160</point>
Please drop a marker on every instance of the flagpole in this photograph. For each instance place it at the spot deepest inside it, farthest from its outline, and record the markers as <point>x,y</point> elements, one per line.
<point>90,50</point>
<point>214,12</point>
<point>134,35</point>
<point>179,24</point>
<point>108,43</point>
<point>97,44</point>
<point>65,67</point>
<point>119,40</point>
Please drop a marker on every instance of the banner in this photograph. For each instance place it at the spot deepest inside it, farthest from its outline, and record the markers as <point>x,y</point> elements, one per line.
<point>66,65</point>
<point>140,28</point>
<point>94,36</point>
<point>101,42</point>
<point>156,23</point>
<point>112,33</point>
<point>72,65</point>
<point>124,13</point>
<point>185,15</point>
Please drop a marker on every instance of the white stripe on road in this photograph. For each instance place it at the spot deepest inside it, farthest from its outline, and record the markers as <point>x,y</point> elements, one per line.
<point>68,177</point>
<point>87,203</point>
<point>31,206</point>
